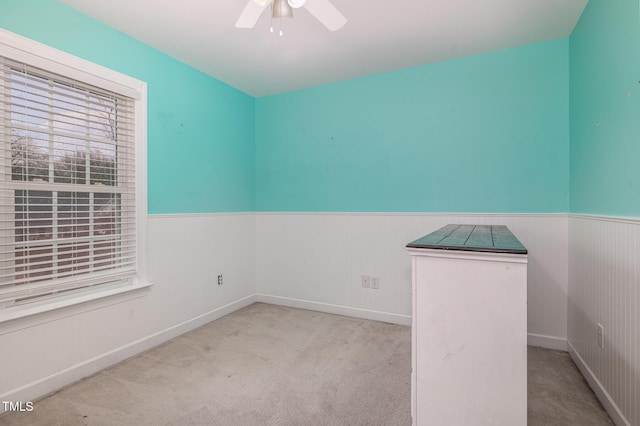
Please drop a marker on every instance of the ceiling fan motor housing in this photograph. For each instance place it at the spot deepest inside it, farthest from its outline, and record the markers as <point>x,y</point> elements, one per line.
<point>281,9</point>
<point>323,10</point>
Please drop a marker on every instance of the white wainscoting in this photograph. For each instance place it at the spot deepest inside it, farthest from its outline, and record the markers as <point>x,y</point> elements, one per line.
<point>308,260</point>
<point>315,260</point>
<point>604,288</point>
<point>42,353</point>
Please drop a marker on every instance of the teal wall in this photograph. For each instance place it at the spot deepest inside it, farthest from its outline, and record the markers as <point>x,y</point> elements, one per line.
<point>200,131</point>
<point>488,133</point>
<point>605,109</point>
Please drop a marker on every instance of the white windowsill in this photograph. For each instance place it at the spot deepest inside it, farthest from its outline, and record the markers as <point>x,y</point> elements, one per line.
<point>74,304</point>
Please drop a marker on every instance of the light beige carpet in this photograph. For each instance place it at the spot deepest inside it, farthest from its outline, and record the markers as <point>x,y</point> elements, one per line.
<point>271,365</point>
<point>262,365</point>
<point>558,394</point>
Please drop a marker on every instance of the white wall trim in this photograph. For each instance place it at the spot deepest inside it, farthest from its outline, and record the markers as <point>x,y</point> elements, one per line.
<point>547,342</point>
<point>55,382</point>
<point>604,397</point>
<point>188,215</point>
<point>36,313</point>
<point>618,219</point>
<point>621,219</point>
<point>46,57</point>
<point>336,309</point>
<point>433,214</point>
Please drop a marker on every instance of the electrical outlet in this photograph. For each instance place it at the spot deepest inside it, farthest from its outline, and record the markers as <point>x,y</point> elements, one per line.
<point>220,279</point>
<point>375,283</point>
<point>365,281</point>
<point>600,335</point>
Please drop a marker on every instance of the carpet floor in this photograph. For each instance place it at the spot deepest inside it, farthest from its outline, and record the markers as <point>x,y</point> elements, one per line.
<point>272,365</point>
<point>558,393</point>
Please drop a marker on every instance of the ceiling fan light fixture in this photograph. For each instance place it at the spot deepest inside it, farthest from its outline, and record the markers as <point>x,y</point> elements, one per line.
<point>281,9</point>
<point>296,3</point>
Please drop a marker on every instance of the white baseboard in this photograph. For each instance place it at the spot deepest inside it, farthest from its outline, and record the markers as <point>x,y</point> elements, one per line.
<point>547,342</point>
<point>336,309</point>
<point>54,382</point>
<point>604,397</point>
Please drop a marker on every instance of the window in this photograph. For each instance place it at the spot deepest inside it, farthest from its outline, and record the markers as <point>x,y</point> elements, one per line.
<point>71,133</point>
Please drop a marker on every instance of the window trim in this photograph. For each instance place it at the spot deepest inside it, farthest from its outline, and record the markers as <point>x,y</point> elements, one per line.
<point>48,58</point>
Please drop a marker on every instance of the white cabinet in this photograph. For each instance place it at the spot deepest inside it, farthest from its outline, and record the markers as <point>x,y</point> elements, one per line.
<point>469,330</point>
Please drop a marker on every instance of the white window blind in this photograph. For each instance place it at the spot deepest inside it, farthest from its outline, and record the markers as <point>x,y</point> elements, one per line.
<point>67,184</point>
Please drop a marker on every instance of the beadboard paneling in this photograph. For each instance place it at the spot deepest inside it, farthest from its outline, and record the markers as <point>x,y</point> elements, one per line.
<point>604,289</point>
<point>185,253</point>
<point>308,258</point>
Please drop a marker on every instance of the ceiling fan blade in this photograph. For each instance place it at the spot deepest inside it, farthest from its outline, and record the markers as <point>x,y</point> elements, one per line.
<point>251,14</point>
<point>326,13</point>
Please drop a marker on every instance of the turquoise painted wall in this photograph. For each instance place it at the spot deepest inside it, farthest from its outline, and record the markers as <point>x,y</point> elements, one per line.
<point>605,109</point>
<point>200,131</point>
<point>488,133</point>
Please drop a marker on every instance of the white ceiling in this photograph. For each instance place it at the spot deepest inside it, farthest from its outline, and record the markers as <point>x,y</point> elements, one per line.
<point>380,35</point>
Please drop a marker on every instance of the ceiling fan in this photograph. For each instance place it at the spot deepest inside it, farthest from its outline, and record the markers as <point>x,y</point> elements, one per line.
<point>323,10</point>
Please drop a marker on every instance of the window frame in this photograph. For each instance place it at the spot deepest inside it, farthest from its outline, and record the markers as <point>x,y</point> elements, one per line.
<point>36,54</point>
